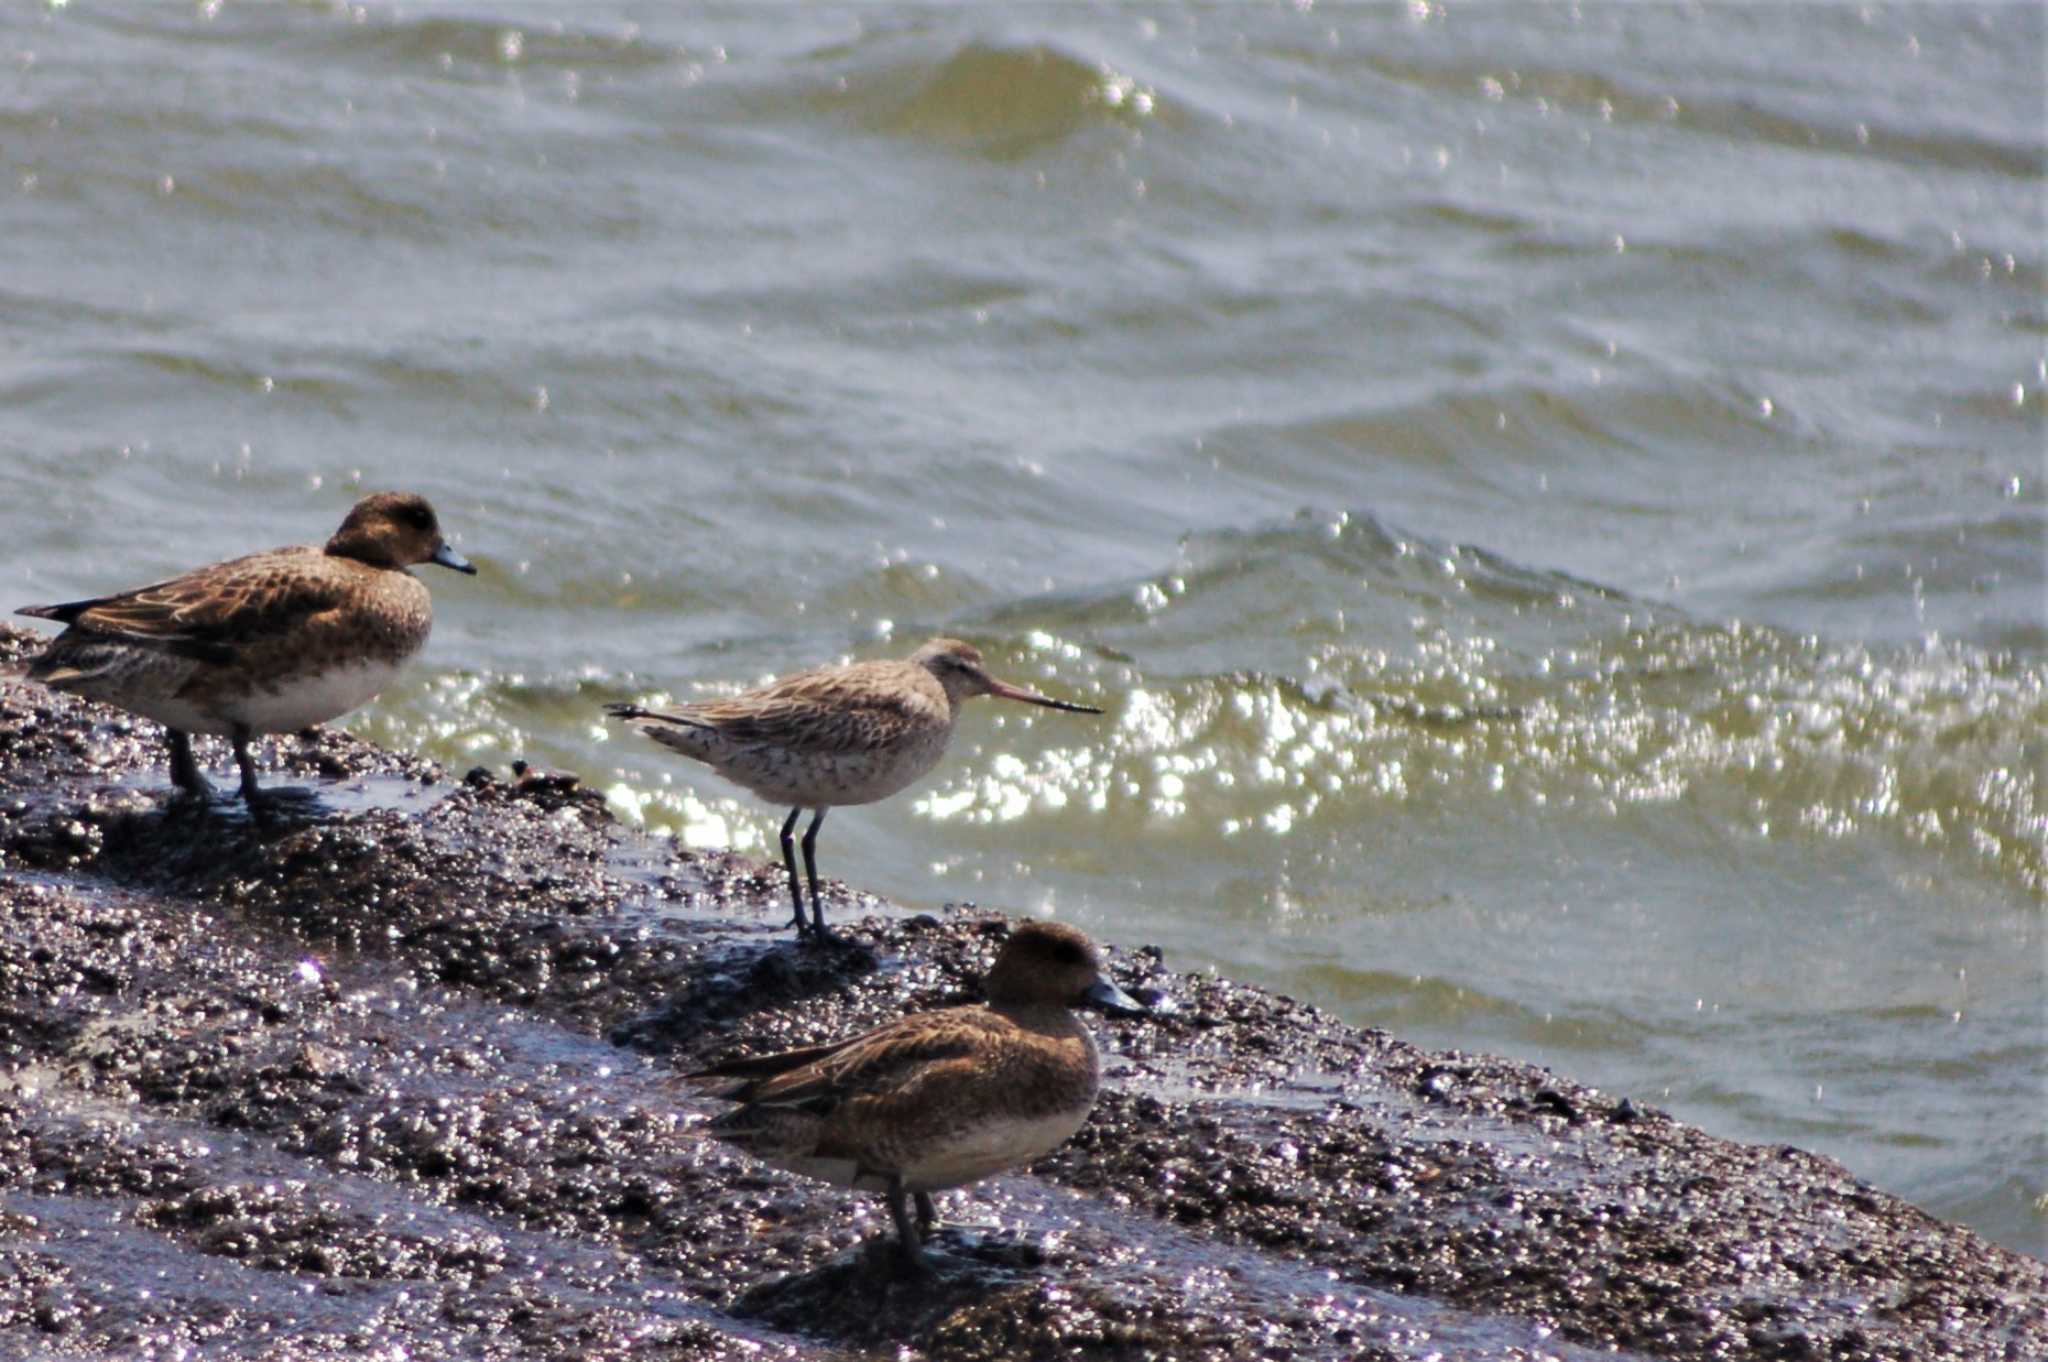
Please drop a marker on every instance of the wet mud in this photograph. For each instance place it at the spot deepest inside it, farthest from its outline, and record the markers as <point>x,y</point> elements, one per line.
<point>392,1074</point>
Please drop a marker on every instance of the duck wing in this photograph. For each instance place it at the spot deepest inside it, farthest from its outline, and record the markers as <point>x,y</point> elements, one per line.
<point>820,1078</point>
<point>205,614</point>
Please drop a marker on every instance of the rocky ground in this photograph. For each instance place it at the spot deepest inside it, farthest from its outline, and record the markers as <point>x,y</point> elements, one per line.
<point>394,1078</point>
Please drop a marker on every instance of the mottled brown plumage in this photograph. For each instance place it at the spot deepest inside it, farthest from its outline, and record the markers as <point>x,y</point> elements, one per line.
<point>833,735</point>
<point>267,643</point>
<point>938,1099</point>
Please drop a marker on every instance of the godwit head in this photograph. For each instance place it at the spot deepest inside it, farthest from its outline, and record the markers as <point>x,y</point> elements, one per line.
<point>958,667</point>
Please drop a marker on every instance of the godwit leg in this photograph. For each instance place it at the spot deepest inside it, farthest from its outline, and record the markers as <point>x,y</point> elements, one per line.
<point>811,869</point>
<point>185,773</point>
<point>796,894</point>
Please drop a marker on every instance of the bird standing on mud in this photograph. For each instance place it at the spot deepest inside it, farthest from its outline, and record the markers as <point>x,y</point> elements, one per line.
<point>934,1100</point>
<point>272,642</point>
<point>833,735</point>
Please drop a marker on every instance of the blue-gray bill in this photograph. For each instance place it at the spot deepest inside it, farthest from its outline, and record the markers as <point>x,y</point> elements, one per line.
<point>449,558</point>
<point>1107,996</point>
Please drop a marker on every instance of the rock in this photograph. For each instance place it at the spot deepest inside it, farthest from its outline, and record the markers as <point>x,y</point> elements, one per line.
<point>397,1073</point>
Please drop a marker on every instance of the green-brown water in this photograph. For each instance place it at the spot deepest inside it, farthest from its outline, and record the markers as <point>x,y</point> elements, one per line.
<point>1549,495</point>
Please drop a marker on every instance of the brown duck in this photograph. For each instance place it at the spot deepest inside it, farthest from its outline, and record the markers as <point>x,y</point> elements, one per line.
<point>937,1099</point>
<point>272,642</point>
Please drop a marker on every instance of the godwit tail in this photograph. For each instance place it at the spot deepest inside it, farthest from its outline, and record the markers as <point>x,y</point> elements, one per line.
<point>626,710</point>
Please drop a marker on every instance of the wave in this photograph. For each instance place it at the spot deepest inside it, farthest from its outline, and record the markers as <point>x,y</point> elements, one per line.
<point>997,99</point>
<point>1320,670</point>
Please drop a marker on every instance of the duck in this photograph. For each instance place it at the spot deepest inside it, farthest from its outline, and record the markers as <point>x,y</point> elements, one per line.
<point>271,642</point>
<point>933,1100</point>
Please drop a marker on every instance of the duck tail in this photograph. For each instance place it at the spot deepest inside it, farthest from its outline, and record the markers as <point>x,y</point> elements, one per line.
<point>66,613</point>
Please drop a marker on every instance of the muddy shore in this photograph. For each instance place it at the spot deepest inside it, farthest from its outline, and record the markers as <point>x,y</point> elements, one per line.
<point>394,1078</point>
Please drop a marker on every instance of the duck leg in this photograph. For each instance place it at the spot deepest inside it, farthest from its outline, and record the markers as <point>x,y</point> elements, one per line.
<point>927,1214</point>
<point>811,869</point>
<point>244,758</point>
<point>185,773</point>
<point>907,1236</point>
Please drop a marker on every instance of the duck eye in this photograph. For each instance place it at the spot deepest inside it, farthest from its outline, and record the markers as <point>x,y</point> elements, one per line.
<point>419,517</point>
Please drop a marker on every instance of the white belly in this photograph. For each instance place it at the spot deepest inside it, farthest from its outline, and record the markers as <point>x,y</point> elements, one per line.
<point>299,703</point>
<point>985,1148</point>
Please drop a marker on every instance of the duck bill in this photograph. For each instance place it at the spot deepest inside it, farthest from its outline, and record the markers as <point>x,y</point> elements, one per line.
<point>1107,996</point>
<point>449,558</point>
<point>1031,697</point>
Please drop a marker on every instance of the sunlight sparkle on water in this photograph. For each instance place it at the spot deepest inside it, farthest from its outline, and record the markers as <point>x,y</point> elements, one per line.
<point>680,813</point>
<point>1012,787</point>
<point>1771,734</point>
<point>1122,92</point>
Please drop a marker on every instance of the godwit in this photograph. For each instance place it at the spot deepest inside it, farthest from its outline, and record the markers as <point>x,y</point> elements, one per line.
<point>833,735</point>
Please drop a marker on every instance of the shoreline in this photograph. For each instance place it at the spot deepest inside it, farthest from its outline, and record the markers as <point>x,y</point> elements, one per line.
<point>400,1075</point>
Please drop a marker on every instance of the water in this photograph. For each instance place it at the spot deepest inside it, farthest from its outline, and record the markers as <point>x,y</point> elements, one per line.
<point>1550,496</point>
